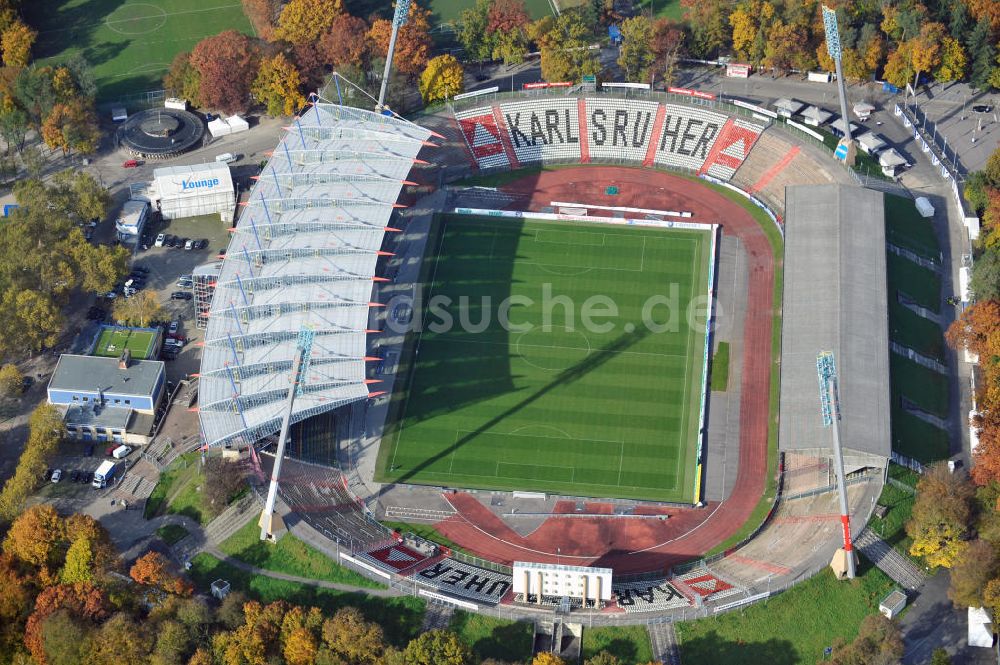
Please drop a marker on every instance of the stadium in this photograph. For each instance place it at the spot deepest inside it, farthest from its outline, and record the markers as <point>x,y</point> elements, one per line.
<point>385,290</point>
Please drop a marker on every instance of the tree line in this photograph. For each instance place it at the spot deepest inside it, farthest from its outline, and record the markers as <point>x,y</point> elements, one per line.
<point>68,600</point>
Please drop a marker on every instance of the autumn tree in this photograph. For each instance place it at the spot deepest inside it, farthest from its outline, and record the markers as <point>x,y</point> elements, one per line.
<point>227,66</point>
<point>138,310</point>
<point>263,15</point>
<point>303,21</point>
<point>941,516</point>
<point>976,565</point>
<point>301,647</point>
<point>953,61</point>
<point>603,658</point>
<point>44,433</point>
<point>72,126</point>
<point>899,69</point>
<point>119,641</point>
<point>62,637</point>
<point>879,640</point>
<point>473,35</point>
<point>667,45</point>
<point>413,43</point>
<point>506,24</point>
<point>340,45</point>
<point>277,86</point>
<point>709,25</point>
<point>442,78</point>
<point>437,647</point>
<point>751,21</point>
<point>547,658</point>
<point>783,49</point>
<point>563,44</point>
<point>925,50</point>
<point>183,79</point>
<point>223,480</point>
<point>83,601</point>
<point>348,635</point>
<point>79,566</point>
<point>15,43</point>
<point>11,380</point>
<point>635,55</point>
<point>152,569</point>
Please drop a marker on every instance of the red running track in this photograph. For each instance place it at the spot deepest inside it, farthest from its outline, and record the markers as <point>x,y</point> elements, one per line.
<point>632,544</point>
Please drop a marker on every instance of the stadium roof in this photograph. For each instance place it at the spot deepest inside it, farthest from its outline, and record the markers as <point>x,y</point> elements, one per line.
<point>835,300</point>
<point>303,256</point>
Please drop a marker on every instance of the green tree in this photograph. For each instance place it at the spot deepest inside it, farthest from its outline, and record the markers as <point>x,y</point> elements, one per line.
<point>183,79</point>
<point>635,55</point>
<point>33,317</point>
<point>11,380</point>
<point>172,644</point>
<point>79,566</point>
<point>138,310</point>
<point>982,54</point>
<point>437,647</point>
<point>974,567</point>
<point>940,656</point>
<point>563,43</point>
<point>119,641</point>
<point>88,198</point>
<point>63,636</point>
<point>603,658</point>
<point>472,35</point>
<point>985,283</point>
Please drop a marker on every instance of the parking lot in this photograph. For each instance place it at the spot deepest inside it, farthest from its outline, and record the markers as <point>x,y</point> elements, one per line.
<point>70,496</point>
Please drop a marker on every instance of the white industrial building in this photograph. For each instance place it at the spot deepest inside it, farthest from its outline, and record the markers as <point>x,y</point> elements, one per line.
<point>535,582</point>
<point>130,222</point>
<point>200,189</point>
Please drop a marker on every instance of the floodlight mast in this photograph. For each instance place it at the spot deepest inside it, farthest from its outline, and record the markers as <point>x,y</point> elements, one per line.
<point>399,18</point>
<point>834,49</point>
<point>270,524</point>
<point>830,406</point>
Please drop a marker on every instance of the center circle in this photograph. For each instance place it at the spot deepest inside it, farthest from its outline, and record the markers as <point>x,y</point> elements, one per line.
<point>137,18</point>
<point>552,349</point>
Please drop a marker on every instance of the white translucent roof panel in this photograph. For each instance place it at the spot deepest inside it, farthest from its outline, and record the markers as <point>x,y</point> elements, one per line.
<point>303,257</point>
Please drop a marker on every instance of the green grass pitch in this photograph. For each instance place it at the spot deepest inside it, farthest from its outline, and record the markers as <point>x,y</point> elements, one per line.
<point>112,341</point>
<point>566,409</point>
<point>129,44</point>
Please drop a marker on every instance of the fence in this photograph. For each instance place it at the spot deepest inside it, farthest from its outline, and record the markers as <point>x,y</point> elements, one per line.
<point>138,101</point>
<point>909,463</point>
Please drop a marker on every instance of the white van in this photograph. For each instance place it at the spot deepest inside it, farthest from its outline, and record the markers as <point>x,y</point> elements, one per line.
<point>121,452</point>
<point>226,158</point>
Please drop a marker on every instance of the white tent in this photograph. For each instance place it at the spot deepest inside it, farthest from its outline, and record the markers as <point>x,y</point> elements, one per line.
<point>815,116</point>
<point>924,207</point>
<point>980,631</point>
<point>219,127</point>
<point>787,107</point>
<point>838,127</point>
<point>237,124</point>
<point>863,110</point>
<point>871,143</point>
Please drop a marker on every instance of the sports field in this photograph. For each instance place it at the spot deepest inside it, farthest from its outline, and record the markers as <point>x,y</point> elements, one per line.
<point>112,341</point>
<point>128,44</point>
<point>604,407</point>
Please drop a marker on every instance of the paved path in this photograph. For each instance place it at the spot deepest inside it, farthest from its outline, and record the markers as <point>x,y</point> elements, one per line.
<point>932,622</point>
<point>664,642</point>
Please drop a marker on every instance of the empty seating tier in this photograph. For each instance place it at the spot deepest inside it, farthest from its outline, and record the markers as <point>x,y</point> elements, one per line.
<point>649,596</point>
<point>461,579</point>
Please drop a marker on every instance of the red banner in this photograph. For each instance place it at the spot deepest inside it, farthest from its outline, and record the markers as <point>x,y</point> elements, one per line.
<point>702,95</point>
<point>680,91</point>
<point>542,84</point>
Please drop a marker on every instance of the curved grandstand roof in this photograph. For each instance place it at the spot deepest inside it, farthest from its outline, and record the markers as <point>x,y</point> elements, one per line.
<point>303,256</point>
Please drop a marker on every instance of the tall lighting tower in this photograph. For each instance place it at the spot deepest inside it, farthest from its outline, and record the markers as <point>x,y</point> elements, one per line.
<point>399,18</point>
<point>845,149</point>
<point>826,371</point>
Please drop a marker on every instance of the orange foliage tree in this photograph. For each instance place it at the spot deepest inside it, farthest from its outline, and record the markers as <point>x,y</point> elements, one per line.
<point>303,21</point>
<point>16,42</point>
<point>227,65</point>
<point>153,569</point>
<point>340,44</point>
<point>413,44</point>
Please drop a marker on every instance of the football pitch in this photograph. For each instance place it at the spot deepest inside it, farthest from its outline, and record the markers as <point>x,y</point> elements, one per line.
<point>543,386</point>
<point>129,44</point>
<point>112,341</point>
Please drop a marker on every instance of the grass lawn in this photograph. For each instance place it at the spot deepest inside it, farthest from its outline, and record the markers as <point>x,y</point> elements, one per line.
<point>720,367</point>
<point>793,627</point>
<point>629,643</point>
<point>113,340</point>
<point>916,438</point>
<point>912,330</point>
<point>172,533</point>
<point>400,617</point>
<point>517,386</point>
<point>923,386</point>
<point>906,228</point>
<point>489,637</point>
<point>289,555</point>
<point>427,532</point>
<point>919,283</point>
<point>129,44</point>
<point>900,503</point>
<point>445,11</point>
<point>671,9</point>
<point>179,492</point>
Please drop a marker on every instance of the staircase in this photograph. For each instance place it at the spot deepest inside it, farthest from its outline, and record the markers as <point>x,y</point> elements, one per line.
<point>437,615</point>
<point>664,641</point>
<point>903,571</point>
<point>232,519</point>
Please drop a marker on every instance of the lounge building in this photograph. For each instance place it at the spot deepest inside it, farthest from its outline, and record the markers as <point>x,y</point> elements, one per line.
<point>190,191</point>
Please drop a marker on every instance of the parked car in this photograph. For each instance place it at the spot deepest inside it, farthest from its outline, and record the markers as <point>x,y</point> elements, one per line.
<point>90,451</point>
<point>181,295</point>
<point>189,244</point>
<point>173,327</point>
<point>131,163</point>
<point>159,240</point>
<point>110,449</point>
<point>57,475</point>
<point>121,452</point>
<point>48,474</point>
<point>201,244</point>
<point>75,476</point>
<point>170,240</point>
<point>89,478</point>
<point>982,108</point>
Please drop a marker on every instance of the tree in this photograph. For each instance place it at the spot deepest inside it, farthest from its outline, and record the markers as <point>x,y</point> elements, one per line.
<point>899,67</point>
<point>303,21</point>
<point>62,638</point>
<point>138,310</point>
<point>278,86</point>
<point>635,54</point>
<point>340,44</point>
<point>437,647</point>
<point>603,658</point>
<point>982,54</point>
<point>83,601</point>
<point>667,45</point>
<point>442,79</point>
<point>473,36</point>
<point>354,639</point>
<point>223,480</point>
<point>16,42</point>
<point>79,566</point>
<point>940,656</point>
<point>119,641</point>
<point>879,641</point>
<point>172,642</point>
<point>14,126</point>
<point>953,61</point>
<point>71,126</point>
<point>87,199</point>
<point>985,10</point>
<point>34,537</point>
<point>506,21</point>
<point>974,567</point>
<point>985,281</point>
<point>262,15</point>
<point>783,50</point>
<point>45,431</point>
<point>709,25</point>
<point>11,380</point>
<point>941,515</point>
<point>227,65</point>
<point>547,658</point>
<point>300,647</point>
<point>183,79</point>
<point>413,43</point>
<point>152,569</point>
<point>751,21</point>
<point>563,44</point>
<point>925,50</point>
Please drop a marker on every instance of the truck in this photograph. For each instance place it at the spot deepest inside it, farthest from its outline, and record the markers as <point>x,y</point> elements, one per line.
<point>105,474</point>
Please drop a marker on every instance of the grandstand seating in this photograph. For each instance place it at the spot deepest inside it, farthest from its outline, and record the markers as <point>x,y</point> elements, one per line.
<point>539,133</point>
<point>461,579</point>
<point>395,558</point>
<point>551,130</point>
<point>648,596</point>
<point>707,584</point>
